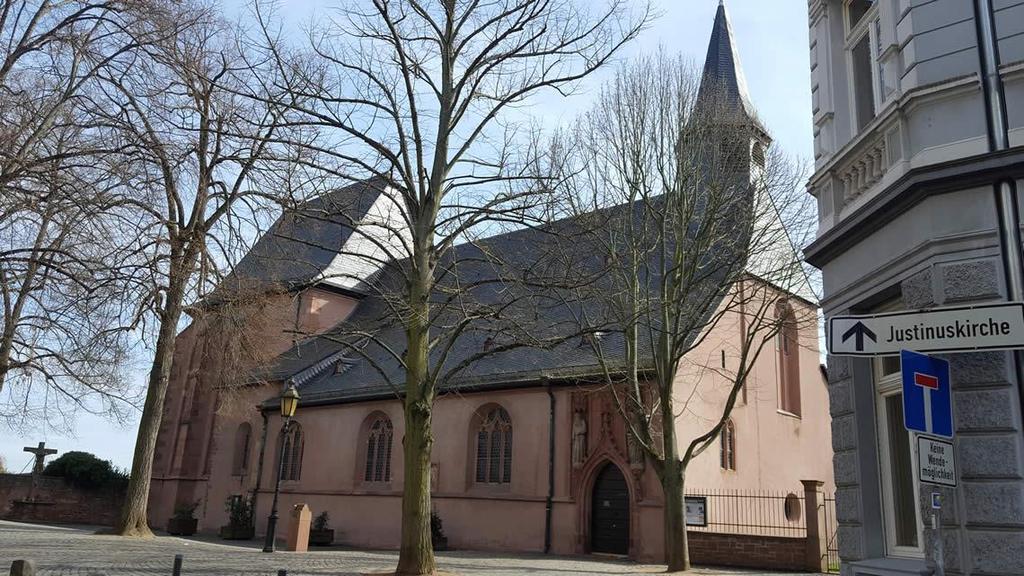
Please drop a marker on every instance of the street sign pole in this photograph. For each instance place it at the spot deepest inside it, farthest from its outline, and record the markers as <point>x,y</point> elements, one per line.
<point>938,551</point>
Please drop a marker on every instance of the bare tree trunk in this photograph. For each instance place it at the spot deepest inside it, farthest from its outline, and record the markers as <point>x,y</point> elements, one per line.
<point>677,554</point>
<point>416,556</point>
<point>133,520</point>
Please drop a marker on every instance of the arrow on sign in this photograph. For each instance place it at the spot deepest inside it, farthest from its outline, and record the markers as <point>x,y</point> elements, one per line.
<point>859,330</point>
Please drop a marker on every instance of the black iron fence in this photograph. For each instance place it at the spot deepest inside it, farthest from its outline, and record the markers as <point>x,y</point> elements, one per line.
<point>764,513</point>
<point>831,541</point>
<point>758,513</point>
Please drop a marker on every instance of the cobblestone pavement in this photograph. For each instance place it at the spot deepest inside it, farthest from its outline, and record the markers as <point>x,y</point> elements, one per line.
<point>71,551</point>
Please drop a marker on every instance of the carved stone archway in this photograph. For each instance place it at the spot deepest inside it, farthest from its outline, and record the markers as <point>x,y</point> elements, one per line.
<point>584,503</point>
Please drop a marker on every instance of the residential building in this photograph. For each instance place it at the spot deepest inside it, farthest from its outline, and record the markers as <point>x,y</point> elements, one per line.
<point>919,153</point>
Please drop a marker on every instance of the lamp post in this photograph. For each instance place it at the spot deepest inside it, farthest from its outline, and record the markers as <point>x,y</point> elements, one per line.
<point>289,402</point>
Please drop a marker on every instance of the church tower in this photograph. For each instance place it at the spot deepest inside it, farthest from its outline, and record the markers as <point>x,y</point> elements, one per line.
<point>723,103</point>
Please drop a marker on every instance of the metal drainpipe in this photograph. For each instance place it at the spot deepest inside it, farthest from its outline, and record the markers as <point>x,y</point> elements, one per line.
<point>259,465</point>
<point>551,467</point>
<point>1006,189</point>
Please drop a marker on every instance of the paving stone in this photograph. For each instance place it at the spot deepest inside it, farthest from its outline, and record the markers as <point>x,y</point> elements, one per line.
<point>62,551</point>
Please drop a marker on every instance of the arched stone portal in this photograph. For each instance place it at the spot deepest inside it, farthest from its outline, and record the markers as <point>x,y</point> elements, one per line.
<point>609,512</point>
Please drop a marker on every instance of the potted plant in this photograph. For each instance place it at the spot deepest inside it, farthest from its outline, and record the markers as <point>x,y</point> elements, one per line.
<point>321,534</point>
<point>437,538</point>
<point>183,522</point>
<point>239,526</point>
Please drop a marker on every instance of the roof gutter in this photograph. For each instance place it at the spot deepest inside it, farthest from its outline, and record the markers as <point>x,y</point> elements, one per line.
<point>381,394</point>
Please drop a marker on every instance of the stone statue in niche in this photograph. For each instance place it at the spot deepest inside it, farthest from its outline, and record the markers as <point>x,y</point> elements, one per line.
<point>579,438</point>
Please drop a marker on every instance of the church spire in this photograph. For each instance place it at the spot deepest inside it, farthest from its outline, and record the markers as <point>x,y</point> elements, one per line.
<point>723,74</point>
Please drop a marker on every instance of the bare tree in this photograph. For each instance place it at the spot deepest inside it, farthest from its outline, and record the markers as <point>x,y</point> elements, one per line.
<point>62,340</point>
<point>193,143</point>
<point>48,52</point>
<point>420,94</point>
<point>66,338</point>
<point>677,198</point>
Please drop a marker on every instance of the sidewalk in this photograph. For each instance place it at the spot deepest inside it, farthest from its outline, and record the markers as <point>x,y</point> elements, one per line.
<point>78,551</point>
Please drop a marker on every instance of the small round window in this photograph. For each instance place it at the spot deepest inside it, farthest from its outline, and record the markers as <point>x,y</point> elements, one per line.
<point>793,506</point>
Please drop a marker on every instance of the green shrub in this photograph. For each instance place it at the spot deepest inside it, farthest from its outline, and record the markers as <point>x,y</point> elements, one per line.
<point>186,511</point>
<point>239,509</point>
<point>85,470</point>
<point>322,521</point>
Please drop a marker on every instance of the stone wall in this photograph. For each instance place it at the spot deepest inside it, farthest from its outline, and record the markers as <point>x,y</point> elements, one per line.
<point>745,551</point>
<point>56,502</point>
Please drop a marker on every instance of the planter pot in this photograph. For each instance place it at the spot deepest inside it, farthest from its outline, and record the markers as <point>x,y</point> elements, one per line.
<point>230,532</point>
<point>321,537</point>
<point>182,526</point>
<point>439,543</point>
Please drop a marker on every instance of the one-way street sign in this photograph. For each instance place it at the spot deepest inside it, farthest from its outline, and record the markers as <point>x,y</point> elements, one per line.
<point>953,329</point>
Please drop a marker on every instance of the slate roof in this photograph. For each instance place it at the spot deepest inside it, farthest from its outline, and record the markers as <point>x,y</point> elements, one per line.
<point>723,73</point>
<point>340,367</point>
<point>300,245</point>
<point>335,367</point>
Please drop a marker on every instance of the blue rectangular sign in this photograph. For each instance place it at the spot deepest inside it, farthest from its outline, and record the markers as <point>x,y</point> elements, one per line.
<point>927,399</point>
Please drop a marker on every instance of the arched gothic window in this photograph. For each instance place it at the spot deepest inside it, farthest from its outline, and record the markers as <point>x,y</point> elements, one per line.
<point>243,438</point>
<point>789,359</point>
<point>378,450</point>
<point>494,448</point>
<point>292,453</point>
<point>728,442</point>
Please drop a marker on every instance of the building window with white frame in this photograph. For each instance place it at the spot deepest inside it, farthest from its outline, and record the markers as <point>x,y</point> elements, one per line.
<point>895,455</point>
<point>862,47</point>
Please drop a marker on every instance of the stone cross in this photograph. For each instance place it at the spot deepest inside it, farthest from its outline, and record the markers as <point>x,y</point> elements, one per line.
<point>40,452</point>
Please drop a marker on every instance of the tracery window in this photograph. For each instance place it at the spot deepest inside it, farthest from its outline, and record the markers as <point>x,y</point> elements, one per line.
<point>292,452</point>
<point>789,360</point>
<point>728,446</point>
<point>378,450</point>
<point>494,448</point>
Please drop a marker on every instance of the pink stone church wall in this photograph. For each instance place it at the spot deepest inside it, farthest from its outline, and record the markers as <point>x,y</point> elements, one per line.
<point>774,452</point>
<point>183,459</point>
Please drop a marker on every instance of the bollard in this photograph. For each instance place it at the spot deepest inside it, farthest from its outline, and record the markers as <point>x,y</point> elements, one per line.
<point>177,564</point>
<point>282,573</point>
<point>23,568</point>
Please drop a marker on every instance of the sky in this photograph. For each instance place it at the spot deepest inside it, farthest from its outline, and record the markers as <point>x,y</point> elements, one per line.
<point>773,46</point>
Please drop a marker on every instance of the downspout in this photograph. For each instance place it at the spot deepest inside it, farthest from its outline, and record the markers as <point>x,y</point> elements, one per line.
<point>551,466</point>
<point>259,465</point>
<point>1006,189</point>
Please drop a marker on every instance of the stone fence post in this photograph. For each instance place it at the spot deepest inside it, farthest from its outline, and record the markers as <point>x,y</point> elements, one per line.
<point>298,528</point>
<point>817,539</point>
<point>23,568</point>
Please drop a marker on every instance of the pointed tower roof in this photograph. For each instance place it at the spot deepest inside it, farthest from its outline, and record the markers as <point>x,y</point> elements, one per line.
<point>723,74</point>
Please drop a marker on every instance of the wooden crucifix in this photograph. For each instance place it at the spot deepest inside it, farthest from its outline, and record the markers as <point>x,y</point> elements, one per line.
<point>41,452</point>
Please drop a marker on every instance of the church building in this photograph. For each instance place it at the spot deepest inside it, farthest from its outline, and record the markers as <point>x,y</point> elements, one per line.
<point>529,452</point>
